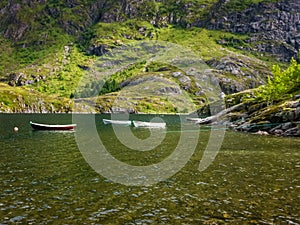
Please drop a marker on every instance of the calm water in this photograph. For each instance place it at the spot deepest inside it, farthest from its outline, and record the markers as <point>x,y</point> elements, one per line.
<point>45,178</point>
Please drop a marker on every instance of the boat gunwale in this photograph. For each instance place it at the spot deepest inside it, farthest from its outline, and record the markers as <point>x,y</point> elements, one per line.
<point>137,123</point>
<point>117,122</point>
<point>53,126</point>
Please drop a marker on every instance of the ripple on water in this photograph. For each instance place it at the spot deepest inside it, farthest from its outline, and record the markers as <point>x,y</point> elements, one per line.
<point>44,179</point>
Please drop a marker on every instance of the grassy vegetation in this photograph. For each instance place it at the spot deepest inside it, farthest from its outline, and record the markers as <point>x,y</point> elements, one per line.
<point>7,61</point>
<point>190,10</point>
<point>37,30</point>
<point>146,104</point>
<point>284,84</point>
<point>61,69</point>
<point>147,97</point>
<point>53,55</point>
<point>206,43</point>
<point>116,34</point>
<point>237,5</point>
<point>63,78</point>
<point>20,99</point>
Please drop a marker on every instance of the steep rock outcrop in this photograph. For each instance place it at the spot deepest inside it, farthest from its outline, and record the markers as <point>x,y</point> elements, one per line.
<point>120,10</point>
<point>272,27</point>
<point>18,19</point>
<point>237,73</point>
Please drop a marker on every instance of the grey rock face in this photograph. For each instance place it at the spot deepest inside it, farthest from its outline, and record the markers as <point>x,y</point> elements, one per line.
<point>273,27</point>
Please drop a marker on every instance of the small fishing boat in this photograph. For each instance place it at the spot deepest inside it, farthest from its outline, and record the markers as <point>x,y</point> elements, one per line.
<point>117,122</point>
<point>193,119</point>
<point>148,124</point>
<point>40,126</point>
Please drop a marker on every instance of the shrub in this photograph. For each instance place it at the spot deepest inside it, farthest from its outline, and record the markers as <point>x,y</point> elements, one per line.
<point>283,84</point>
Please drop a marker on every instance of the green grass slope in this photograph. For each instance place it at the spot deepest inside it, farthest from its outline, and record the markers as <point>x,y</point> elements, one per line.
<point>58,47</point>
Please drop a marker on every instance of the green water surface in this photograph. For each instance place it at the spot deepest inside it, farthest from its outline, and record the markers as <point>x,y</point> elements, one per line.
<point>44,178</point>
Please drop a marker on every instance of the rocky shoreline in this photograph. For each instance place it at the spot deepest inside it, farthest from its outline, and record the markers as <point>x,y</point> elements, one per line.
<point>288,129</point>
<point>281,119</point>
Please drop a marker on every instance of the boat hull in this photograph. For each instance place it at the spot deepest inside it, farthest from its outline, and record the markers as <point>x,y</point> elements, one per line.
<point>39,126</point>
<point>117,122</point>
<point>148,124</point>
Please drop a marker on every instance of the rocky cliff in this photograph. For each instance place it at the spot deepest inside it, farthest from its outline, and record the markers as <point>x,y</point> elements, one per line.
<point>273,27</point>
<point>20,18</point>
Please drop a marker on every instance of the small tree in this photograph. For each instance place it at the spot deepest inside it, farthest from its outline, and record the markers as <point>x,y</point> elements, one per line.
<point>283,84</point>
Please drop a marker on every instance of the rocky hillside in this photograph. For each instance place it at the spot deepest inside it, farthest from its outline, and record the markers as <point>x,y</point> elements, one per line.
<point>273,108</point>
<point>273,27</point>
<point>47,46</point>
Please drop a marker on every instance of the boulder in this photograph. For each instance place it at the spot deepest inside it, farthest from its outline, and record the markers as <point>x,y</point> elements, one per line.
<point>295,132</point>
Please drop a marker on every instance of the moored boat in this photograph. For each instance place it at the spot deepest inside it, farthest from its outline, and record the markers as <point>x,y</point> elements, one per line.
<point>148,124</point>
<point>40,126</point>
<point>117,122</point>
<point>193,119</point>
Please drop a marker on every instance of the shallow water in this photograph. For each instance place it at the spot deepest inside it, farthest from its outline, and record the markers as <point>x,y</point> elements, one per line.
<point>46,178</point>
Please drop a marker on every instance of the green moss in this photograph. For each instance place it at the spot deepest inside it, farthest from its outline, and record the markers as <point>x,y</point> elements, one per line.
<point>149,104</point>
<point>178,9</point>
<point>237,5</point>
<point>155,105</point>
<point>114,34</point>
<point>201,41</point>
<point>19,99</point>
<point>7,61</point>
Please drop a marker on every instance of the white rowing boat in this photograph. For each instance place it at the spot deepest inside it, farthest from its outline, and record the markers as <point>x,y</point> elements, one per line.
<point>40,126</point>
<point>117,122</point>
<point>193,119</point>
<point>148,124</point>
